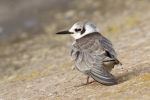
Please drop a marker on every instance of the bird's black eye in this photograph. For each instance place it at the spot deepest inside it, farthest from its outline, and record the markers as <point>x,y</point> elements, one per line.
<point>77,29</point>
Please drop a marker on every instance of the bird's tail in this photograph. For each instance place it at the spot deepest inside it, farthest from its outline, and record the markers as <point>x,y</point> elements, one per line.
<point>100,74</point>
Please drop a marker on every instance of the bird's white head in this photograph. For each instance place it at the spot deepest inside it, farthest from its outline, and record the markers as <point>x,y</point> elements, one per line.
<point>80,29</point>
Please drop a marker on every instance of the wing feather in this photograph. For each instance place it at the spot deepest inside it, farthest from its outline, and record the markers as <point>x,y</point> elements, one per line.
<point>100,74</point>
<point>90,59</point>
<point>107,45</point>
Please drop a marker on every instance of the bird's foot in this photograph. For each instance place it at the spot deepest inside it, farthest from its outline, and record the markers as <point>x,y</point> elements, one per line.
<point>84,84</point>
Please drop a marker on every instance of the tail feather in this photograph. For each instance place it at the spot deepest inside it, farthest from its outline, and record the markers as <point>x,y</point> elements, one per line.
<point>100,74</point>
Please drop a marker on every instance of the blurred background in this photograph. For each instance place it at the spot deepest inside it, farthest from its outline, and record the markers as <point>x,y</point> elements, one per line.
<point>20,19</point>
<point>28,27</point>
<point>29,47</point>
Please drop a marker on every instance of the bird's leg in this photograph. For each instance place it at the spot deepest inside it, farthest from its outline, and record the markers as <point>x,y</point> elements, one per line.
<point>87,82</point>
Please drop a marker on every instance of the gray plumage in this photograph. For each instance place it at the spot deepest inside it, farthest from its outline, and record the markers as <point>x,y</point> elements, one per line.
<point>94,55</point>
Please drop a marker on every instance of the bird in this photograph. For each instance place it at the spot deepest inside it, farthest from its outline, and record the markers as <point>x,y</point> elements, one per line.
<point>92,53</point>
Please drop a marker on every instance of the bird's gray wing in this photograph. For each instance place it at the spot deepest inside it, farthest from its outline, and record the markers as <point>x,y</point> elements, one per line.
<point>88,56</point>
<point>108,47</point>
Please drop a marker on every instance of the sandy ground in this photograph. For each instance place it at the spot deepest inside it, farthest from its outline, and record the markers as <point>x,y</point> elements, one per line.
<point>39,68</point>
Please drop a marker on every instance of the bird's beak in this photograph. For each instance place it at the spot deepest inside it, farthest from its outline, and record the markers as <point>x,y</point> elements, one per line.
<point>64,32</point>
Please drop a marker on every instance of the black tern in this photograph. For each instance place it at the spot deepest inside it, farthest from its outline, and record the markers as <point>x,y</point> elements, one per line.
<point>92,53</point>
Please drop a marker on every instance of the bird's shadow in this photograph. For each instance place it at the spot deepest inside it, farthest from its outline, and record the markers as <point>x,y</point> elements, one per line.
<point>127,76</point>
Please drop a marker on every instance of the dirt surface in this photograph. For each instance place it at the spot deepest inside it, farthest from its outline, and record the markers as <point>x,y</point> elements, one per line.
<point>39,67</point>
